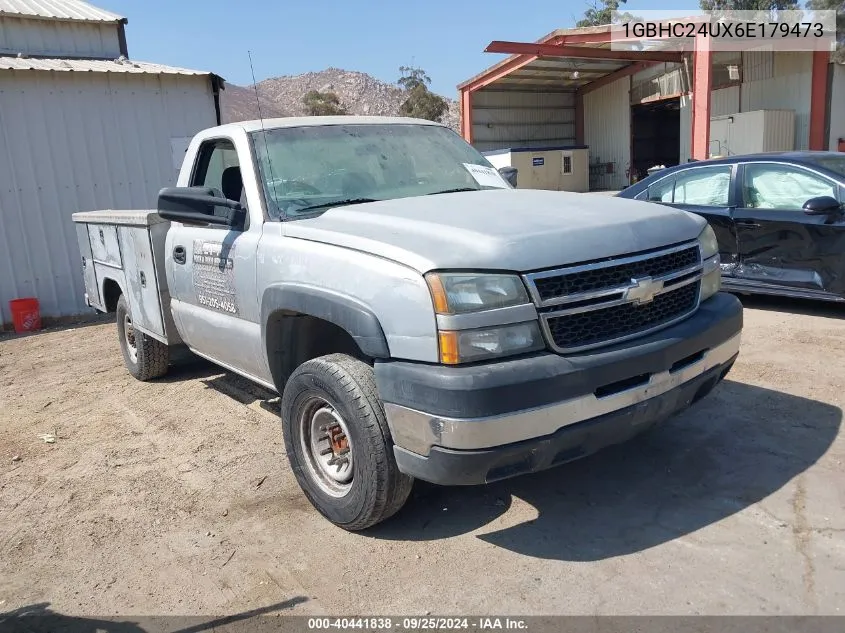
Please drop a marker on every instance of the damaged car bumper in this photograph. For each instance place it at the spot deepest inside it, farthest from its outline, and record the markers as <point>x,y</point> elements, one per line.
<point>478,424</point>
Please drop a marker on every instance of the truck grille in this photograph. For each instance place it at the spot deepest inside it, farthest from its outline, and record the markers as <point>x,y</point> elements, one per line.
<point>588,306</point>
<point>618,275</point>
<point>586,329</point>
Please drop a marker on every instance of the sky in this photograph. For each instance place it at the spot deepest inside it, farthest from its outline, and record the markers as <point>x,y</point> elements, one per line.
<point>446,38</point>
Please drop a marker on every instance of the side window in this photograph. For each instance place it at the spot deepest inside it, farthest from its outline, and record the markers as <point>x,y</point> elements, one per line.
<point>661,191</point>
<point>772,186</point>
<point>218,168</point>
<point>704,186</point>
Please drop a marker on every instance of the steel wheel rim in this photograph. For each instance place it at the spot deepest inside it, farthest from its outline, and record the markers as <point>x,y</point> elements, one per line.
<point>129,335</point>
<point>327,447</point>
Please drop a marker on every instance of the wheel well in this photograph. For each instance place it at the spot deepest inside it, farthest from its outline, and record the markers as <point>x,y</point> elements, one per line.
<point>111,294</point>
<point>293,339</point>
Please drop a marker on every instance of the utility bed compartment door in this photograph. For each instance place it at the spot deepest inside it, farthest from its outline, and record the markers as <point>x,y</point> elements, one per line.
<point>104,244</point>
<point>92,291</point>
<point>141,280</point>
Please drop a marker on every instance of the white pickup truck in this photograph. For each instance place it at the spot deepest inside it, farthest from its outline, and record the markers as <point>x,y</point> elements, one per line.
<point>420,317</point>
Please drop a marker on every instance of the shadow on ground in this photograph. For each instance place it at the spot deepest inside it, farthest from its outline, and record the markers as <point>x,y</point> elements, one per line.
<point>808,307</point>
<point>40,618</point>
<point>242,390</point>
<point>739,445</point>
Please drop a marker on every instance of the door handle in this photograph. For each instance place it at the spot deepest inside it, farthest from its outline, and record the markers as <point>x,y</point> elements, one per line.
<point>748,223</point>
<point>179,255</point>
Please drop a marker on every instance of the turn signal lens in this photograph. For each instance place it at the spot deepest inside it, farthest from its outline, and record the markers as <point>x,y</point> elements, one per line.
<point>438,294</point>
<point>449,348</point>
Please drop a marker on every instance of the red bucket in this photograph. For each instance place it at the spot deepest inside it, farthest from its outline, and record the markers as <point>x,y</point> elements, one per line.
<point>25,315</point>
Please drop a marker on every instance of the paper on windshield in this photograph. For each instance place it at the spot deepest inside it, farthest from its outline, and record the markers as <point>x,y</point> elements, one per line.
<point>486,176</point>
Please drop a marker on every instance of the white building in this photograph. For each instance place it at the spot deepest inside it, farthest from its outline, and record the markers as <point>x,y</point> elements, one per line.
<point>82,127</point>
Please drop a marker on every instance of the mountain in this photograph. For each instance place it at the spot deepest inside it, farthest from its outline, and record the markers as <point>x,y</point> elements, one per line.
<point>359,92</point>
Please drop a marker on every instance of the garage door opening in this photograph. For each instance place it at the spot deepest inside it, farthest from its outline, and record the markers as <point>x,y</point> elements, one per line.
<point>655,135</point>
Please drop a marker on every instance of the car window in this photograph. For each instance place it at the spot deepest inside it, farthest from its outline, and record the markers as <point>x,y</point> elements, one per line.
<point>661,191</point>
<point>701,186</point>
<point>833,163</point>
<point>772,186</point>
<point>704,186</point>
<point>218,168</point>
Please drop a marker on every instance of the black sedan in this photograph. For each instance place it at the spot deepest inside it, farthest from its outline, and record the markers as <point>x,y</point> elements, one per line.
<point>779,218</point>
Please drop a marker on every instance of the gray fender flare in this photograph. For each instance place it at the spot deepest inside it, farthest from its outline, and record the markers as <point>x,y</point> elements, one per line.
<point>347,313</point>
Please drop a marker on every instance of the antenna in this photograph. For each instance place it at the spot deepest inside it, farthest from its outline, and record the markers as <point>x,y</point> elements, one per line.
<point>263,129</point>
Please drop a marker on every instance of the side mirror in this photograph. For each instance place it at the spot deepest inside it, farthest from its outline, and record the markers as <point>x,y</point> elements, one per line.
<point>509,174</point>
<point>199,205</point>
<point>822,205</point>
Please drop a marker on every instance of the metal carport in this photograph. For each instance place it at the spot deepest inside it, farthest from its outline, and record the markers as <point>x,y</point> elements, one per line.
<point>577,62</point>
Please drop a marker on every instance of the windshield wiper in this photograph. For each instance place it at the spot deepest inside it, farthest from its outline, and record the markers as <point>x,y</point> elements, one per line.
<point>434,193</point>
<point>337,203</point>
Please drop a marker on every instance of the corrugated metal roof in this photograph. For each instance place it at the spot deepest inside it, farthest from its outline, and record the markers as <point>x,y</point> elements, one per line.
<point>559,72</point>
<point>73,10</point>
<point>94,66</point>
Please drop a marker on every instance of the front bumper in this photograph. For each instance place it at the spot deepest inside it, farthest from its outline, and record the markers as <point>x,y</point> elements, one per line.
<point>476,424</point>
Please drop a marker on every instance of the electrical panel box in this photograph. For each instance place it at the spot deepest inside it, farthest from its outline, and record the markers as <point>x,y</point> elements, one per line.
<point>555,168</point>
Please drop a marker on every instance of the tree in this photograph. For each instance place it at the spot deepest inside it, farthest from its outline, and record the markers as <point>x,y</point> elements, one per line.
<point>600,13</point>
<point>769,6</point>
<point>833,5</point>
<point>421,103</point>
<point>773,6</point>
<point>322,103</point>
<point>412,77</point>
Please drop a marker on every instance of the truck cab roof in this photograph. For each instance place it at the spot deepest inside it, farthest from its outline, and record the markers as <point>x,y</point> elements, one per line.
<point>256,125</point>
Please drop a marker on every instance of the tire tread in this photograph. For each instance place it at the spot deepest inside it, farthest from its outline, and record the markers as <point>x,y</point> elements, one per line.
<point>153,356</point>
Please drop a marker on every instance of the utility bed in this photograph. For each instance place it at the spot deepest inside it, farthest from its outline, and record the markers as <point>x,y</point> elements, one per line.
<point>125,251</point>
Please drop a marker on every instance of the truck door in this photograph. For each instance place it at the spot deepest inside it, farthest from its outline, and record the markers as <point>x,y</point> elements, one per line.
<point>212,269</point>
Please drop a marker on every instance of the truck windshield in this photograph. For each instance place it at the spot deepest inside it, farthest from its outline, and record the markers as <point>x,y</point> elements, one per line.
<point>310,168</point>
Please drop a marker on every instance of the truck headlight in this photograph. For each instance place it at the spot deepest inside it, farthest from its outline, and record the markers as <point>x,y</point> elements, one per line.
<point>467,293</point>
<point>711,274</point>
<point>460,293</point>
<point>466,346</point>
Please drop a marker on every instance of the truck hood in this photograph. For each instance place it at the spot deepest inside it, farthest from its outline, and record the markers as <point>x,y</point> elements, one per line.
<point>506,229</point>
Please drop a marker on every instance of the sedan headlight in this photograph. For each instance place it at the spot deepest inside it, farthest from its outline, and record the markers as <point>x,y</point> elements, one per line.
<point>460,293</point>
<point>459,296</point>
<point>711,279</point>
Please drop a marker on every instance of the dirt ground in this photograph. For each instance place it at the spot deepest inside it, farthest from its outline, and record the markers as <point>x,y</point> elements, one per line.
<point>175,497</point>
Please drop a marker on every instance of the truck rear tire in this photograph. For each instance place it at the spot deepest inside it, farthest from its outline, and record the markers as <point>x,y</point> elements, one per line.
<point>145,357</point>
<point>338,442</point>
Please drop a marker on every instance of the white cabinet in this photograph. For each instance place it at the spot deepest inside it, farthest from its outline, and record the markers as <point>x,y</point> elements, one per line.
<point>555,168</point>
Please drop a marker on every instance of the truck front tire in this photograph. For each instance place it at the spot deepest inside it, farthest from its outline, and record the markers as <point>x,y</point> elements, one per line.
<point>338,442</point>
<point>145,357</point>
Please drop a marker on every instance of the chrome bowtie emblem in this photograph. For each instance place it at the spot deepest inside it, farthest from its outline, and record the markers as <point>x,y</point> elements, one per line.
<point>643,290</point>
